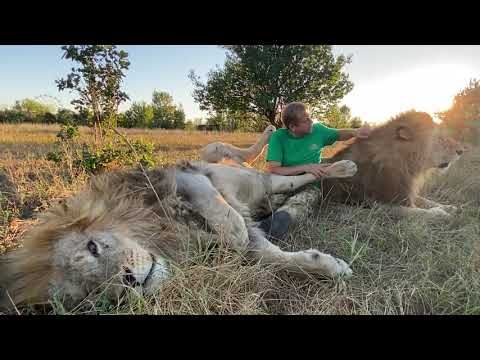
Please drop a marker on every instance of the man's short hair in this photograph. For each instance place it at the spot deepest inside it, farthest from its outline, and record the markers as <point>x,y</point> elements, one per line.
<point>292,113</point>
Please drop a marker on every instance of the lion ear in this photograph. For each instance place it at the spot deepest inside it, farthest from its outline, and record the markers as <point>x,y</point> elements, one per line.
<point>404,133</point>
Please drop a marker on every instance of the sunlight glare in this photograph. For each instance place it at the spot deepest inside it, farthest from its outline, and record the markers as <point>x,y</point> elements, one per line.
<point>429,88</point>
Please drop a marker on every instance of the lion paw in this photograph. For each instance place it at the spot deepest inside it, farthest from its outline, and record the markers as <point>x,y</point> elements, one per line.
<point>341,268</point>
<point>438,212</point>
<point>342,169</point>
<point>449,208</point>
<point>270,129</point>
<point>328,265</point>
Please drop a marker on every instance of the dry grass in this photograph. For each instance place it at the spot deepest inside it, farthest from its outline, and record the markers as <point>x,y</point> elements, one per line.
<point>400,267</point>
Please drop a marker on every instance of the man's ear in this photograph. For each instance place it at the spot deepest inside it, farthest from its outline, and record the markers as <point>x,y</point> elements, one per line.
<point>404,133</point>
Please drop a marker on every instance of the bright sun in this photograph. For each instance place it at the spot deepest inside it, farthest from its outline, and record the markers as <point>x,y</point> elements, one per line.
<point>429,88</point>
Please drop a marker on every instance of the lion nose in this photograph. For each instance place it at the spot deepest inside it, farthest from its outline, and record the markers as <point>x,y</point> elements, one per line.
<point>459,152</point>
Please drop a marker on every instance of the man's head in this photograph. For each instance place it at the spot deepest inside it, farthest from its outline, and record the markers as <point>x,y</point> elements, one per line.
<point>295,117</point>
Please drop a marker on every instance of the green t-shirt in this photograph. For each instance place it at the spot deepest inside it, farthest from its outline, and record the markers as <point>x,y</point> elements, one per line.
<point>289,150</point>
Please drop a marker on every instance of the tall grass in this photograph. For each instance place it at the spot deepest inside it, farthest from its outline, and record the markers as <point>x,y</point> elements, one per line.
<point>408,266</point>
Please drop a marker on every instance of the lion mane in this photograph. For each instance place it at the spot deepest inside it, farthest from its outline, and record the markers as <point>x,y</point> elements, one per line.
<point>393,161</point>
<point>120,201</point>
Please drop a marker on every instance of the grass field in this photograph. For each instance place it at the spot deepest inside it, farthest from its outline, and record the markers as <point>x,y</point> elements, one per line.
<point>400,267</point>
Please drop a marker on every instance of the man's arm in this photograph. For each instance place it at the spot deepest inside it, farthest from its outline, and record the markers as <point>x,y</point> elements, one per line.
<point>275,167</point>
<point>345,134</point>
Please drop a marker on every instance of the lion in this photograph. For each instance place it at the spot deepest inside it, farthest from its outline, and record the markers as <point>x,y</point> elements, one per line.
<point>219,152</point>
<point>130,228</point>
<point>393,163</point>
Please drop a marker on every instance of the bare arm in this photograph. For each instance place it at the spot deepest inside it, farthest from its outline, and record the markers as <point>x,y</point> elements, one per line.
<point>345,134</point>
<point>362,133</point>
<point>275,167</point>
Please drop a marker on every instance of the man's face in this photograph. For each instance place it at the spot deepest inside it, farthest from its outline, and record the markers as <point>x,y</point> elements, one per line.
<point>303,126</point>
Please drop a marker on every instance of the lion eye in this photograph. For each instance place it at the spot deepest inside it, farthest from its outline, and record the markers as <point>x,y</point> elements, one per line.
<point>92,247</point>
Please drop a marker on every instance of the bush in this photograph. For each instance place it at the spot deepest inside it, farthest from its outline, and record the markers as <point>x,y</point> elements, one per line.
<point>96,159</point>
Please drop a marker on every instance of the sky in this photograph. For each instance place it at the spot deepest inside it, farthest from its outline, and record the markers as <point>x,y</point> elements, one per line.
<point>387,79</point>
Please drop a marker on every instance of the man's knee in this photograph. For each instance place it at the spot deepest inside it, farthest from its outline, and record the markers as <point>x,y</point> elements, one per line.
<point>276,226</point>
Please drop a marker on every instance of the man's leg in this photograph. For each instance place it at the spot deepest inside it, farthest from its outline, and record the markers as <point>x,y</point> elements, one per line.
<point>294,210</point>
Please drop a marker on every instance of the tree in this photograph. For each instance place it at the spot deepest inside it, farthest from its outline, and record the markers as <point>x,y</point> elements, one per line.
<point>464,115</point>
<point>66,116</point>
<point>179,118</point>
<point>33,107</point>
<point>139,115</point>
<point>261,79</point>
<point>34,111</point>
<point>11,116</point>
<point>166,114</point>
<point>237,120</point>
<point>97,82</point>
<point>356,122</point>
<point>337,117</point>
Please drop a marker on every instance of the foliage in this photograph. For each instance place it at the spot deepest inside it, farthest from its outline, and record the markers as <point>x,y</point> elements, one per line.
<point>261,79</point>
<point>166,114</point>
<point>28,110</point>
<point>97,82</point>
<point>341,118</point>
<point>140,115</point>
<point>464,115</point>
<point>237,121</point>
<point>95,159</point>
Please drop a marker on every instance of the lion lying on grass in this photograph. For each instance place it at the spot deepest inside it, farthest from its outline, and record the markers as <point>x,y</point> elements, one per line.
<point>392,164</point>
<point>127,228</point>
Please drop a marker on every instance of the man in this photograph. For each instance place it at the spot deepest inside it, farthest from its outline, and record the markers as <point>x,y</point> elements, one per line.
<point>294,150</point>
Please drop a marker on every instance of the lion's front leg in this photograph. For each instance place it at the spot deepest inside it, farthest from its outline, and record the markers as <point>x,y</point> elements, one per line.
<point>432,213</point>
<point>425,203</point>
<point>245,238</point>
<point>212,206</point>
<point>339,169</point>
<point>309,261</point>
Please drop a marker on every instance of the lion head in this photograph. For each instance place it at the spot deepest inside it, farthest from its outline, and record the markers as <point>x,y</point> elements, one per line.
<point>393,159</point>
<point>444,150</point>
<point>105,239</point>
<point>414,141</point>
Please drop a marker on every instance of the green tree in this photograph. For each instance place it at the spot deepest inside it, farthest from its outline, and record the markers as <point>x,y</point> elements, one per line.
<point>166,114</point>
<point>97,82</point>
<point>237,120</point>
<point>341,117</point>
<point>337,117</point>
<point>261,79</point>
<point>34,111</point>
<point>11,116</point>
<point>139,115</point>
<point>356,122</point>
<point>66,116</point>
<point>179,118</point>
<point>33,107</point>
<point>217,119</point>
<point>464,115</point>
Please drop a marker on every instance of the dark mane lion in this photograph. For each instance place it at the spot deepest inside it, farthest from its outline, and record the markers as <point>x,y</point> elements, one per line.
<point>393,161</point>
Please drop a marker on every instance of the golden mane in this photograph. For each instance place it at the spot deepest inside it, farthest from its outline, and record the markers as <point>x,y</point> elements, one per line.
<point>118,200</point>
<point>391,161</point>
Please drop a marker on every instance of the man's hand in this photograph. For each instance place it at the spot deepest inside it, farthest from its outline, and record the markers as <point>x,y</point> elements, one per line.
<point>318,170</point>
<point>363,132</point>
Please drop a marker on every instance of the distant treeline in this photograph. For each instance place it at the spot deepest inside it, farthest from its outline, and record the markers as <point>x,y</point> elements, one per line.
<point>160,113</point>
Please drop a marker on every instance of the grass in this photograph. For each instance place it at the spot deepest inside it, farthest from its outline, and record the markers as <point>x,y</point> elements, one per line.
<point>409,266</point>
